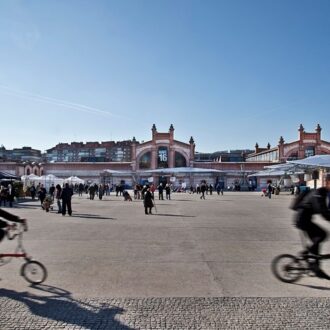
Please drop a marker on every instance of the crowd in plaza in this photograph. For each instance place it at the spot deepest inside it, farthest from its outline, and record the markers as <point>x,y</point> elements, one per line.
<point>59,196</point>
<point>62,195</point>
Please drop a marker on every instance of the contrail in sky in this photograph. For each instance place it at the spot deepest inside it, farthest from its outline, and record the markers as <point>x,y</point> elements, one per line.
<point>58,102</point>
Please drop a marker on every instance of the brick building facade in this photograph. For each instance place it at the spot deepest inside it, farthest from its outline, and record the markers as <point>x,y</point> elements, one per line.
<point>308,144</point>
<point>147,159</point>
<point>109,151</point>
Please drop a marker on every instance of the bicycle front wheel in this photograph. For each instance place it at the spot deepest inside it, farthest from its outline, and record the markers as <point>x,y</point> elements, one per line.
<point>287,268</point>
<point>34,272</point>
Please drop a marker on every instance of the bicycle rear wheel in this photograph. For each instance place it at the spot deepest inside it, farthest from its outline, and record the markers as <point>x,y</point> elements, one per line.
<point>34,272</point>
<point>287,268</point>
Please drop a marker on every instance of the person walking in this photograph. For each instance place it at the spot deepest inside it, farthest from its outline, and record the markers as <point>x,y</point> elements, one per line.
<point>218,188</point>
<point>211,188</point>
<point>198,189</point>
<point>52,191</point>
<point>42,195</point>
<point>160,192</point>
<point>66,196</point>
<point>203,189</point>
<point>269,190</point>
<point>11,195</point>
<point>58,192</point>
<point>33,191</point>
<point>152,190</point>
<point>3,195</point>
<point>168,191</point>
<point>101,191</point>
<point>91,191</point>
<point>80,189</point>
<point>148,201</point>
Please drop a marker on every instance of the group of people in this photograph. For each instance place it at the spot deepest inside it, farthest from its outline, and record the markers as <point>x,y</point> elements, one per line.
<point>270,190</point>
<point>205,188</point>
<point>306,206</point>
<point>62,195</point>
<point>7,195</point>
<point>167,187</point>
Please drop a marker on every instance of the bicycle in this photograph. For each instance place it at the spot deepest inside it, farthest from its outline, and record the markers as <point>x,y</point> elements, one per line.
<point>290,268</point>
<point>33,271</point>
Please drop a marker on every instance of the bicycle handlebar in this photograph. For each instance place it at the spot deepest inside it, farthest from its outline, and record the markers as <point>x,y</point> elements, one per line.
<point>20,227</point>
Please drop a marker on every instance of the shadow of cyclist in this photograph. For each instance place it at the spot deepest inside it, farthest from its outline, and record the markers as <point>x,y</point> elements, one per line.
<point>64,309</point>
<point>316,287</point>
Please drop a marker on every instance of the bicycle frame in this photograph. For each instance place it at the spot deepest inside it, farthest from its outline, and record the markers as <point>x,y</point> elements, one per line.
<point>32,270</point>
<point>20,251</point>
<point>304,238</point>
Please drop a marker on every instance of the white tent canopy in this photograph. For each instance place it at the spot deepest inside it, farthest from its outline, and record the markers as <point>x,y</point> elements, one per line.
<point>268,173</point>
<point>30,177</point>
<point>282,167</point>
<point>292,169</point>
<point>74,180</point>
<point>117,172</point>
<point>177,170</point>
<point>318,161</point>
<point>48,180</point>
<point>278,170</point>
<point>28,180</point>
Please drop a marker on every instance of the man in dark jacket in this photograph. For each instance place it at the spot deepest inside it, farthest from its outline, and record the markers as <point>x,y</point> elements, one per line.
<point>161,191</point>
<point>148,201</point>
<point>66,195</point>
<point>4,224</point>
<point>314,203</point>
<point>203,190</point>
<point>42,194</point>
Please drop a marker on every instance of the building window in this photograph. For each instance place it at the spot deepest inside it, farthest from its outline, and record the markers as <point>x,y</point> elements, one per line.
<point>162,157</point>
<point>293,156</point>
<point>309,151</point>
<point>145,161</point>
<point>180,160</point>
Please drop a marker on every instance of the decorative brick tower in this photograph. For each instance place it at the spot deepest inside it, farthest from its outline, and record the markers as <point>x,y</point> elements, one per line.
<point>281,149</point>
<point>192,151</point>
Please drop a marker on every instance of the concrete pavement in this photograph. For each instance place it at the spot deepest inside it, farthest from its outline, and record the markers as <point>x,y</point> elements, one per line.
<point>218,250</point>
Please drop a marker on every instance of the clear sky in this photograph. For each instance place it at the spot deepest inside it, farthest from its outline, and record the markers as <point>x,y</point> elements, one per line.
<point>229,73</point>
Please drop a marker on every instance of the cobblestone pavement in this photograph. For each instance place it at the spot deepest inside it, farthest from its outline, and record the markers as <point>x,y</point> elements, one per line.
<point>26,311</point>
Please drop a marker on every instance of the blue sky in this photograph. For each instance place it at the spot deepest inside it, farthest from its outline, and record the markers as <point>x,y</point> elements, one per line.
<point>228,73</point>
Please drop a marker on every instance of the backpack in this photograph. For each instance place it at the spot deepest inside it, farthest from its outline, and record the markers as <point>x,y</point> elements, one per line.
<point>301,200</point>
<point>308,200</point>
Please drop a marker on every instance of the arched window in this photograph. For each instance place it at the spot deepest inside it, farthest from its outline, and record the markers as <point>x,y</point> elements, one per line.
<point>35,172</point>
<point>28,172</point>
<point>145,161</point>
<point>42,172</point>
<point>180,160</point>
<point>293,156</point>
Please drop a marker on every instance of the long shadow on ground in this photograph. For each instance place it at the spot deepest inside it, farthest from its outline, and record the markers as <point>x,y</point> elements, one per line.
<point>63,309</point>
<point>316,287</point>
<point>175,215</point>
<point>90,216</point>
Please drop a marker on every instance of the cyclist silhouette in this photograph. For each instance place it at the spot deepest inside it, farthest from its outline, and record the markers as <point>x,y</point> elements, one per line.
<point>314,202</point>
<point>4,224</point>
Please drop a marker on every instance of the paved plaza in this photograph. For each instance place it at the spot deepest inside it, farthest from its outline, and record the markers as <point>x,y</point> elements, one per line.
<point>194,264</point>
